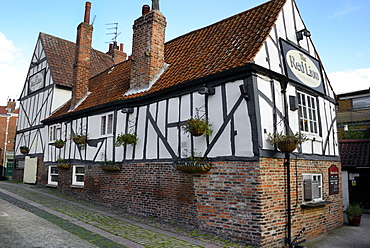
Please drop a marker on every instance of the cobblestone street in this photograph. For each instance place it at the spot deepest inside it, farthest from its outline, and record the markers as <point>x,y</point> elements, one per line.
<point>44,217</point>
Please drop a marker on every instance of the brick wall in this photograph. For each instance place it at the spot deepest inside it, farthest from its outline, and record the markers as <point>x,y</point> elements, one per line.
<point>241,201</point>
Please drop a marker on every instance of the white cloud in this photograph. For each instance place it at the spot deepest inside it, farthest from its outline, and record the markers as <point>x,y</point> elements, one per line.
<point>346,9</point>
<point>350,80</point>
<point>13,70</point>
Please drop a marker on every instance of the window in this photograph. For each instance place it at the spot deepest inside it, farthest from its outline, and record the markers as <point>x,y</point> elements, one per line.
<point>106,124</point>
<point>55,132</point>
<point>361,103</point>
<point>312,188</point>
<point>307,113</point>
<point>78,176</point>
<point>53,175</point>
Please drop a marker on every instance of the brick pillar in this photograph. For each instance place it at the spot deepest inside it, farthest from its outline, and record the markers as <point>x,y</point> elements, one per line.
<point>148,47</point>
<point>81,66</point>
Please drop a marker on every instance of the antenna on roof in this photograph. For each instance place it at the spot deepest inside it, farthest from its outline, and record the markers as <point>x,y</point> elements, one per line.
<point>92,24</point>
<point>114,39</point>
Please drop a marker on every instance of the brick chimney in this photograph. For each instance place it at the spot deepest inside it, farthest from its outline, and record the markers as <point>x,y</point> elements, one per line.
<point>117,53</point>
<point>10,106</point>
<point>82,58</point>
<point>147,46</point>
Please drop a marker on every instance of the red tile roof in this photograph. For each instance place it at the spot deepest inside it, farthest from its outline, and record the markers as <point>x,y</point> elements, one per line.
<point>355,153</point>
<point>225,45</point>
<point>3,110</point>
<point>61,55</point>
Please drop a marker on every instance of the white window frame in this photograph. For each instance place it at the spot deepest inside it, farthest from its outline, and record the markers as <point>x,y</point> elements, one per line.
<point>53,171</point>
<point>106,124</point>
<point>55,132</point>
<point>76,174</point>
<point>308,113</point>
<point>312,187</point>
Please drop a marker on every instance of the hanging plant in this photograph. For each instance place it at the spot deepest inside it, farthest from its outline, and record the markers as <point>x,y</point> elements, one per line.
<point>59,143</point>
<point>286,142</point>
<point>63,163</point>
<point>193,162</point>
<point>79,138</point>
<point>24,149</point>
<point>126,139</point>
<point>198,126</point>
<point>109,165</point>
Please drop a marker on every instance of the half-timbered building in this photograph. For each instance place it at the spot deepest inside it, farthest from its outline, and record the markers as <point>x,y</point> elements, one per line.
<point>247,76</point>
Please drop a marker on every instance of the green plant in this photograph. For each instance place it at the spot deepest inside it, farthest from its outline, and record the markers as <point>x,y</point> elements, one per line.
<point>59,141</point>
<point>126,139</point>
<point>61,160</point>
<point>198,126</point>
<point>24,148</point>
<point>352,210</point>
<point>279,137</point>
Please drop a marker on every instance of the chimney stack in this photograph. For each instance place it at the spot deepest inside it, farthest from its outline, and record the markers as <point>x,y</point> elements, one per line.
<point>81,70</point>
<point>10,106</point>
<point>147,46</point>
<point>117,53</point>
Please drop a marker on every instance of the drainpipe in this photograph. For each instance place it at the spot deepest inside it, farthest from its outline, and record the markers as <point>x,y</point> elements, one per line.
<point>287,165</point>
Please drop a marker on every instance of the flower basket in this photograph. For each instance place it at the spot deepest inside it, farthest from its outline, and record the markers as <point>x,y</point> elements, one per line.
<point>198,126</point>
<point>193,165</point>
<point>126,139</point>
<point>24,151</point>
<point>109,167</point>
<point>59,144</point>
<point>64,165</point>
<point>196,132</point>
<point>287,146</point>
<point>286,143</point>
<point>80,139</point>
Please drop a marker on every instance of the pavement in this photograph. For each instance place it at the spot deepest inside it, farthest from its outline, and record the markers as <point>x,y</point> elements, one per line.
<point>34,216</point>
<point>345,236</point>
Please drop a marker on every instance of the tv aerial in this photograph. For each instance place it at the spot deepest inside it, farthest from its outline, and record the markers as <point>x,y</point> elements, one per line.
<point>115,33</point>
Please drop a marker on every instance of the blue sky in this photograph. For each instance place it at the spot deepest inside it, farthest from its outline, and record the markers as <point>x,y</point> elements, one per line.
<point>339,30</point>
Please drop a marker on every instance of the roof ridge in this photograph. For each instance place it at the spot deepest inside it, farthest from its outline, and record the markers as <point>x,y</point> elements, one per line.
<point>225,19</point>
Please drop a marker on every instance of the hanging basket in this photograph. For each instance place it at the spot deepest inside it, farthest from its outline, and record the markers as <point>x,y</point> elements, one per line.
<point>79,139</point>
<point>196,131</point>
<point>59,145</point>
<point>189,165</point>
<point>287,146</point>
<point>64,165</point>
<point>107,167</point>
<point>24,151</point>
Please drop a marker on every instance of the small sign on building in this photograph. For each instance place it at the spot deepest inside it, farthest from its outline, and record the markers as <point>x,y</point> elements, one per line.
<point>333,180</point>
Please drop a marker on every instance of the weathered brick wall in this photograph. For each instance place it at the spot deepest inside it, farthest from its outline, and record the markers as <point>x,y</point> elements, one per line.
<point>241,201</point>
<point>150,189</point>
<point>316,220</point>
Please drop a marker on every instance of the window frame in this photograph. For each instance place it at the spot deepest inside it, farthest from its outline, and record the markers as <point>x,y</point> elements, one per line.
<point>55,132</point>
<point>308,113</point>
<point>75,174</point>
<point>313,177</point>
<point>106,124</point>
<point>51,174</point>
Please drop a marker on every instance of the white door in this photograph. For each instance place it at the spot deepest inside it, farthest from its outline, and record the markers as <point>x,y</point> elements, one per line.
<point>30,170</point>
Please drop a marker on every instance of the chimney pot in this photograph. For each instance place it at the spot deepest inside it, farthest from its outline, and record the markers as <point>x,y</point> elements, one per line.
<point>110,47</point>
<point>87,12</point>
<point>146,9</point>
<point>121,47</point>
